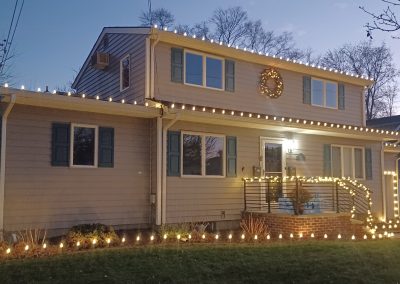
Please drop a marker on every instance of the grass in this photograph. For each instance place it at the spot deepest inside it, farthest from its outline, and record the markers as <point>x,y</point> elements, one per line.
<point>286,262</point>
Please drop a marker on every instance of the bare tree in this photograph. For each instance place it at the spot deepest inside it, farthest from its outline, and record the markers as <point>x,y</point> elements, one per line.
<point>230,24</point>
<point>365,59</point>
<point>201,30</point>
<point>161,17</point>
<point>385,21</point>
<point>389,95</point>
<point>181,29</point>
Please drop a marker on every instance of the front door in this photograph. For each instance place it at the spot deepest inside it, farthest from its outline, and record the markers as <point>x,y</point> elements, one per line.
<point>273,160</point>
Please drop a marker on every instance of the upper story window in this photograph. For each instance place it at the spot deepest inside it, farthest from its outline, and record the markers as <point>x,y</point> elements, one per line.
<point>324,93</point>
<point>204,70</point>
<point>84,145</point>
<point>124,67</point>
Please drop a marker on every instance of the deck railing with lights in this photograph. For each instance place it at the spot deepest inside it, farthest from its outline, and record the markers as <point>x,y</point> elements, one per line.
<point>301,195</point>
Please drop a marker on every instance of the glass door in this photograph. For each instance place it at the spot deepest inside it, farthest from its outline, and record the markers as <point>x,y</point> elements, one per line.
<point>273,167</point>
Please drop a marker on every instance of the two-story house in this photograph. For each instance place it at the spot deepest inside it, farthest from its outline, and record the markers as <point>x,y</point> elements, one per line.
<point>164,128</point>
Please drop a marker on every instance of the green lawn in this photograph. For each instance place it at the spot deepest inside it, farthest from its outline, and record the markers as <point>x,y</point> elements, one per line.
<point>297,262</point>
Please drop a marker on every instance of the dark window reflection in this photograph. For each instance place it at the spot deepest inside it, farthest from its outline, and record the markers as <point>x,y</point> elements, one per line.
<point>191,154</point>
<point>84,146</point>
<point>214,155</point>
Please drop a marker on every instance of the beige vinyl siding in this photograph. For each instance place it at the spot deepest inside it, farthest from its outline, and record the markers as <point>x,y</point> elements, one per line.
<point>206,199</point>
<point>106,83</point>
<point>38,195</point>
<point>247,96</point>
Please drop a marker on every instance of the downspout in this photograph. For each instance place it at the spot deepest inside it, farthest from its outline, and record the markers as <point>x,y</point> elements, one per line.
<point>164,168</point>
<point>152,63</point>
<point>383,181</point>
<point>3,159</point>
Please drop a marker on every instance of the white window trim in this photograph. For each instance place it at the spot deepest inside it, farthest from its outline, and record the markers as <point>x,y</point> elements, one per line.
<point>352,161</point>
<point>204,64</point>
<point>203,155</point>
<point>324,93</point>
<point>120,73</point>
<point>265,140</point>
<point>71,150</point>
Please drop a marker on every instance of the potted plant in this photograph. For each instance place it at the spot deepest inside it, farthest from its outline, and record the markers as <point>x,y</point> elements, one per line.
<point>299,196</point>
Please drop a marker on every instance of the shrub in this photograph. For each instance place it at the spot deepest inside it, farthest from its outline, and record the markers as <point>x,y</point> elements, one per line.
<point>252,226</point>
<point>86,233</point>
<point>32,237</point>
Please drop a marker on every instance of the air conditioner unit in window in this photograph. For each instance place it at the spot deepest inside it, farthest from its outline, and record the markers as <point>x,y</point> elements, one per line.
<point>100,60</point>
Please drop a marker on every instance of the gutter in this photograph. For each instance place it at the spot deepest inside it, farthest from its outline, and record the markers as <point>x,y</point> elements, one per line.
<point>3,159</point>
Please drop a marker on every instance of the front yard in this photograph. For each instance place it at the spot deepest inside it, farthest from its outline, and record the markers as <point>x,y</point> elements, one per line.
<point>286,262</point>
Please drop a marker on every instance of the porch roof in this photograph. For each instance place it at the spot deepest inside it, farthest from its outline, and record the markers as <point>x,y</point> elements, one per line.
<point>201,114</point>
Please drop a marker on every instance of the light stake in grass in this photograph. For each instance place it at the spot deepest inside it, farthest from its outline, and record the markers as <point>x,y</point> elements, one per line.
<point>190,236</point>
<point>230,237</point>
<point>151,238</point>
<point>242,236</point>
<point>123,240</point>
<point>165,236</point>
<point>291,235</point>
<point>312,235</point>
<point>61,245</point>
<point>108,241</point>
<point>353,237</point>
<point>339,236</point>
<point>365,237</point>
<point>203,236</point>
<point>178,237</point>
<point>280,236</point>
<point>44,246</point>
<point>216,236</point>
<point>8,251</point>
<point>268,237</point>
<point>94,242</point>
<point>255,237</point>
<point>301,235</point>
<point>138,238</point>
<point>26,247</point>
<point>78,243</point>
<point>325,236</point>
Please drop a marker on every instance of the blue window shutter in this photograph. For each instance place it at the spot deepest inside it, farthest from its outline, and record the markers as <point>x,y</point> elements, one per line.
<point>106,147</point>
<point>307,90</point>
<point>327,160</point>
<point>60,144</point>
<point>177,65</point>
<point>229,75</point>
<point>231,156</point>
<point>341,96</point>
<point>368,163</point>
<point>174,153</point>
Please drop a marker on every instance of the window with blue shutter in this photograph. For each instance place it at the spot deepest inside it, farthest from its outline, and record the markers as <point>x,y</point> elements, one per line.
<point>229,75</point>
<point>327,160</point>
<point>231,156</point>
<point>60,144</point>
<point>106,147</point>
<point>177,65</point>
<point>368,163</point>
<point>307,90</point>
<point>173,153</point>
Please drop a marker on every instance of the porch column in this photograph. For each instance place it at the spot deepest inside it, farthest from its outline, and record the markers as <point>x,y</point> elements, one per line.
<point>4,115</point>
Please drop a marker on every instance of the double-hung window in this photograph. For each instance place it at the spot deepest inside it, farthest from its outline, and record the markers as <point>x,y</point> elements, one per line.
<point>348,161</point>
<point>84,145</point>
<point>204,70</point>
<point>203,154</point>
<point>124,67</point>
<point>324,93</point>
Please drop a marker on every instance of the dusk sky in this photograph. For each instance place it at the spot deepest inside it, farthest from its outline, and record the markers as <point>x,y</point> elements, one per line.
<point>54,37</point>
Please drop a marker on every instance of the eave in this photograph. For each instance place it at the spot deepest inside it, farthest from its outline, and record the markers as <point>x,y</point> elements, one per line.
<point>74,103</point>
<point>239,54</point>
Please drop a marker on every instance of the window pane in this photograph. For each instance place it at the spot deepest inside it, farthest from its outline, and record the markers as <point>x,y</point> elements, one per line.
<point>191,154</point>
<point>336,162</point>
<point>331,95</point>
<point>84,146</point>
<point>125,73</point>
<point>194,69</point>
<point>358,163</point>
<point>317,93</point>
<point>347,162</point>
<point>214,155</point>
<point>214,73</point>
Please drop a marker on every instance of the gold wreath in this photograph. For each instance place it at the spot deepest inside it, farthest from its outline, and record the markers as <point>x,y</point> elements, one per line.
<point>271,74</point>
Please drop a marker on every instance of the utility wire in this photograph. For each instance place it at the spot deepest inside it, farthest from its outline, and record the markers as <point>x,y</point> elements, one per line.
<point>12,38</point>
<point>9,32</point>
